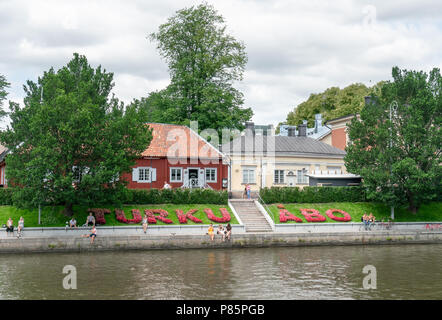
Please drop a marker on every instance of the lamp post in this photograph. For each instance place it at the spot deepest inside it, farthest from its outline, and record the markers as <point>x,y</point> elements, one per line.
<point>393,108</point>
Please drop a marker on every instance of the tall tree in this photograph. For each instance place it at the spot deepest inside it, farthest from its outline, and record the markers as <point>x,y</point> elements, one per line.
<point>3,85</point>
<point>204,62</point>
<point>398,154</point>
<point>332,103</point>
<point>71,140</point>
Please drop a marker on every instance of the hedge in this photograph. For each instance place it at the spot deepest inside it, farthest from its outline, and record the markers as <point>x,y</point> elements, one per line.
<point>154,196</point>
<point>175,196</point>
<point>313,194</point>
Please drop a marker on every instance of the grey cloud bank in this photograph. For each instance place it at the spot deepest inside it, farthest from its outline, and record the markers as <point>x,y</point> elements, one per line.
<point>294,47</point>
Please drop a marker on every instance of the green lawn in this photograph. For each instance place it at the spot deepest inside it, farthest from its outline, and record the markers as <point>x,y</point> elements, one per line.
<point>428,212</point>
<point>53,216</point>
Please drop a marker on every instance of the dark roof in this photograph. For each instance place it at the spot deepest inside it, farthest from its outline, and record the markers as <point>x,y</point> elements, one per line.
<point>302,146</point>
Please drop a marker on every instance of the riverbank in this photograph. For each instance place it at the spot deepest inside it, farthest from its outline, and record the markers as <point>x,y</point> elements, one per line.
<point>241,240</point>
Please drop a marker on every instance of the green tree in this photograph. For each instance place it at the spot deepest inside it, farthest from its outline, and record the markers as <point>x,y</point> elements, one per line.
<point>204,62</point>
<point>71,140</point>
<point>3,85</point>
<point>332,103</point>
<point>399,160</point>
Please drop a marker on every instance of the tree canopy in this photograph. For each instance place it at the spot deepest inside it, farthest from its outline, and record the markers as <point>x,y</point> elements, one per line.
<point>332,103</point>
<point>204,62</point>
<point>3,85</point>
<point>399,159</point>
<point>72,140</point>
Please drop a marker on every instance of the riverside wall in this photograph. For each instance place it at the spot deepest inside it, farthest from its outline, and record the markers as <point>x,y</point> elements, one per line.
<point>150,241</point>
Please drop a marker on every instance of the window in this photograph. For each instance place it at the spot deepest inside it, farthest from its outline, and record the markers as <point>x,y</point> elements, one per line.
<point>302,178</point>
<point>334,170</point>
<point>248,175</point>
<point>176,174</point>
<point>144,174</point>
<point>279,176</point>
<point>210,174</point>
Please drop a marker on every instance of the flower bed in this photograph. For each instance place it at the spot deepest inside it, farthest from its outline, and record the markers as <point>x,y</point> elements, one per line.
<point>160,214</point>
<point>345,218</point>
<point>99,214</point>
<point>120,216</point>
<point>285,215</point>
<point>313,216</point>
<point>225,215</point>
<point>182,218</point>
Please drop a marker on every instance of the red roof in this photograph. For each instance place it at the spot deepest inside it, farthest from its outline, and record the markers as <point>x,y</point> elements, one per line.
<point>177,141</point>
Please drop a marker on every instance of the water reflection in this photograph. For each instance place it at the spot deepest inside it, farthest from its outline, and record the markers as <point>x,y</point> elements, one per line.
<point>403,272</point>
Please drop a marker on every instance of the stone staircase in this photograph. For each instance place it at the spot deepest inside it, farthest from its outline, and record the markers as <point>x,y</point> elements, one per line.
<point>252,218</point>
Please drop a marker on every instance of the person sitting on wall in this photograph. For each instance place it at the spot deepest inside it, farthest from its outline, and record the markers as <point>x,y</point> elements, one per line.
<point>371,220</point>
<point>364,219</point>
<point>210,232</point>
<point>90,220</point>
<point>144,223</point>
<point>228,231</point>
<point>92,235</point>
<point>73,223</point>
<point>21,225</point>
<point>221,232</point>
<point>10,226</point>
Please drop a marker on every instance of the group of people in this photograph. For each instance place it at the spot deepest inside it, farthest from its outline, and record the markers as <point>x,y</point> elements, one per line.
<point>90,220</point>
<point>223,232</point>
<point>10,226</point>
<point>368,220</point>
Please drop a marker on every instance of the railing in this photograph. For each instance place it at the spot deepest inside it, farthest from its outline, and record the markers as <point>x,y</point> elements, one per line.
<point>266,208</point>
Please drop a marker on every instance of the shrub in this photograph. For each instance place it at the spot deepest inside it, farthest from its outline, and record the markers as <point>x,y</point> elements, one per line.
<point>312,194</point>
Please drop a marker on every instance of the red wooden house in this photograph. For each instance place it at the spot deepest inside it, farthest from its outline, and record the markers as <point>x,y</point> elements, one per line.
<point>180,157</point>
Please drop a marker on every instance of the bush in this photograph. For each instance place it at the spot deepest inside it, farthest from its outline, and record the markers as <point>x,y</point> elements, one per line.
<point>5,196</point>
<point>312,194</point>
<point>175,196</point>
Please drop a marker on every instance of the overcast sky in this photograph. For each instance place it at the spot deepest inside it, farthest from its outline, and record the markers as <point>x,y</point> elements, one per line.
<point>294,47</point>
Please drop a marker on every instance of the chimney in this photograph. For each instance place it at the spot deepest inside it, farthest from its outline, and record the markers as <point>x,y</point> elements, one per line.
<point>302,128</point>
<point>318,122</point>
<point>291,131</point>
<point>250,129</point>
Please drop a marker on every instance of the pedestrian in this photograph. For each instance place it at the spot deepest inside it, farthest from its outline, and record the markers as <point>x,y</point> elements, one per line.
<point>244,195</point>
<point>248,191</point>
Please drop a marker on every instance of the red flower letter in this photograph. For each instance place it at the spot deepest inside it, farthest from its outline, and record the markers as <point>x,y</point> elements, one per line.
<point>314,216</point>
<point>330,214</point>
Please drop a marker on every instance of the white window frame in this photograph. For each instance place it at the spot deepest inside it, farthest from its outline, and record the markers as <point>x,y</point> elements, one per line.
<point>248,180</point>
<point>278,176</point>
<point>171,175</point>
<point>301,178</point>
<point>148,180</point>
<point>210,178</point>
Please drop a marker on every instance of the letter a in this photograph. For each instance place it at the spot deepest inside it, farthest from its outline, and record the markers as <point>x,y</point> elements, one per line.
<point>369,281</point>
<point>70,281</point>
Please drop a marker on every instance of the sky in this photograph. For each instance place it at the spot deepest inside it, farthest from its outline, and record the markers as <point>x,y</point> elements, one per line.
<point>294,48</point>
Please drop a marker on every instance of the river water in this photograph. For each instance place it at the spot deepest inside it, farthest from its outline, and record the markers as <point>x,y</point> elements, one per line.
<point>402,272</point>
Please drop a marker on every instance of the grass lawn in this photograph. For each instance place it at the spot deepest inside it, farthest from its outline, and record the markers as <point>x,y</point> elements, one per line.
<point>428,212</point>
<point>53,216</point>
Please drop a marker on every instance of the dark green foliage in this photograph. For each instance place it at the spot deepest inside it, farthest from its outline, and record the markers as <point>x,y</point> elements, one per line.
<point>174,196</point>
<point>399,159</point>
<point>312,194</point>
<point>6,196</point>
<point>204,62</point>
<point>70,125</point>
